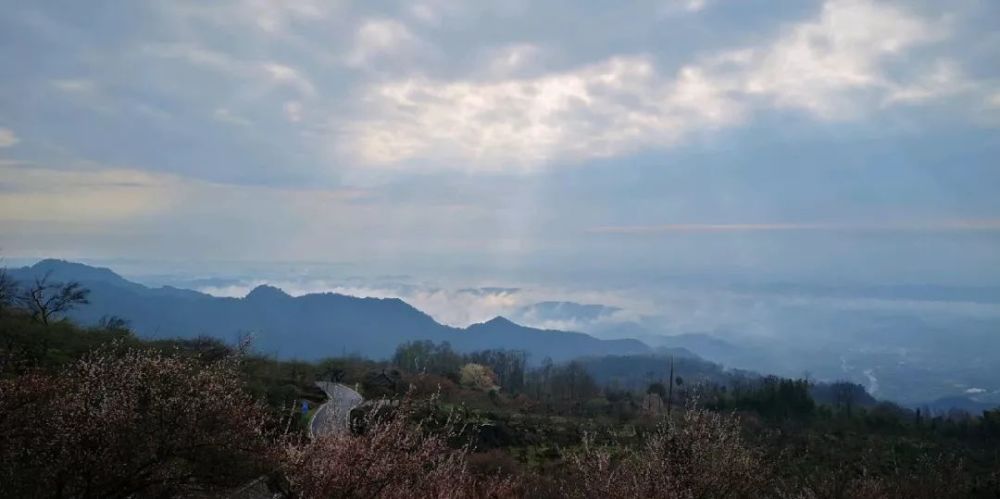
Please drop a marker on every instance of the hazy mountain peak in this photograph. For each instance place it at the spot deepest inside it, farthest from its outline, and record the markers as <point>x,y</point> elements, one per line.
<point>501,321</point>
<point>266,291</point>
<point>66,270</point>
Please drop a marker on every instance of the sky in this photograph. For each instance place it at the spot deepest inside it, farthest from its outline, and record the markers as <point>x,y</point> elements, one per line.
<point>815,181</point>
<point>832,141</point>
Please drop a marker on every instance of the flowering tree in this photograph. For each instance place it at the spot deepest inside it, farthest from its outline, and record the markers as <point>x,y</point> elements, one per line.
<point>477,376</point>
<point>392,458</point>
<point>702,455</point>
<point>132,423</point>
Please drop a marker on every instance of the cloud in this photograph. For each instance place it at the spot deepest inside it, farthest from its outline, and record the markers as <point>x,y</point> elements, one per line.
<point>292,77</point>
<point>594,111</point>
<point>459,306</point>
<point>513,58</point>
<point>226,116</point>
<point>424,13</point>
<point>993,100</point>
<point>195,55</point>
<point>75,85</point>
<point>267,73</point>
<point>830,68</point>
<point>436,13</point>
<point>7,138</point>
<point>101,98</point>
<point>817,65</point>
<point>663,309</point>
<point>694,5</point>
<point>90,207</point>
<point>90,193</point>
<point>449,306</point>
<point>670,7</point>
<point>272,17</point>
<point>381,38</point>
<point>33,195</point>
<point>953,225</point>
<point>945,79</point>
<point>293,111</point>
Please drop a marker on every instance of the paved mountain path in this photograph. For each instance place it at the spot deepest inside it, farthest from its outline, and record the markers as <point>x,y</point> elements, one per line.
<point>333,417</point>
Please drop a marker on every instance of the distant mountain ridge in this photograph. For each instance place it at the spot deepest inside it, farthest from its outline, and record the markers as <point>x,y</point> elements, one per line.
<point>309,326</point>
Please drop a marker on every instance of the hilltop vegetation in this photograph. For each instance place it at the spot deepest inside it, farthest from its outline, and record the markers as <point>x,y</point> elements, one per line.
<point>100,412</point>
<point>105,414</point>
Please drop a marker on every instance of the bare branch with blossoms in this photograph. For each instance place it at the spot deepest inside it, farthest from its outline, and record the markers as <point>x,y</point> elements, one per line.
<point>132,423</point>
<point>394,457</point>
<point>700,455</point>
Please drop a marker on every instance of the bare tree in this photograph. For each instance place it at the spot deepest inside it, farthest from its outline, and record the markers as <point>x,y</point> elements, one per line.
<point>114,323</point>
<point>46,299</point>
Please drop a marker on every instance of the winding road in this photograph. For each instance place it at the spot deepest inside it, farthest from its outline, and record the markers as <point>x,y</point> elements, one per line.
<point>333,417</point>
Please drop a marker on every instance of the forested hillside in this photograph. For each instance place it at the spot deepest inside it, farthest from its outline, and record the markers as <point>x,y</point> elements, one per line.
<point>79,410</point>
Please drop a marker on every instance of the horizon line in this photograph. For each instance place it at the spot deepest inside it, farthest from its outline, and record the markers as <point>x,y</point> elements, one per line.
<point>955,225</point>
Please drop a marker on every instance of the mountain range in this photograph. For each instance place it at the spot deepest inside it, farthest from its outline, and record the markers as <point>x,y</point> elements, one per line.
<point>313,326</point>
<point>310,326</point>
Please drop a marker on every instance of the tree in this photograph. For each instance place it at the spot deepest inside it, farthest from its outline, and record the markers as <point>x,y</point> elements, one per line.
<point>572,381</point>
<point>545,375</point>
<point>658,389</point>
<point>508,365</point>
<point>333,374</point>
<point>846,395</point>
<point>8,289</point>
<point>478,376</point>
<point>670,386</point>
<point>46,299</point>
<point>700,454</point>
<point>136,423</point>
<point>427,357</point>
<point>114,323</point>
<point>393,457</point>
